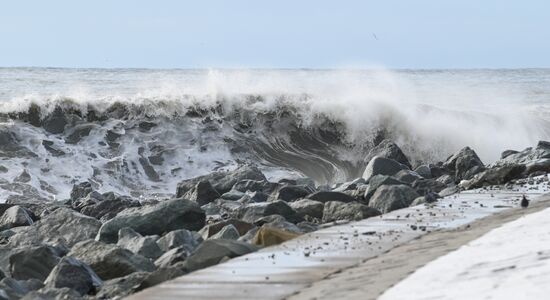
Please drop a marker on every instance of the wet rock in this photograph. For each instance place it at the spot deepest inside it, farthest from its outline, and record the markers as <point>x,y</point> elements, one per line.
<point>233,195</point>
<point>179,238</point>
<point>78,132</point>
<point>462,162</point>
<point>90,199</point>
<point>211,229</point>
<point>55,122</point>
<point>24,177</point>
<point>353,211</point>
<point>248,185</point>
<point>494,176</point>
<point>157,219</point>
<point>391,197</point>
<point>108,260</point>
<point>33,262</point>
<point>424,171</point>
<point>507,153</point>
<point>9,146</point>
<point>325,196</point>
<point>62,225</point>
<point>202,193</point>
<point>172,257</point>
<point>425,186</point>
<point>14,216</point>
<point>138,244</point>
<point>109,208</point>
<point>382,166</point>
<point>407,176</point>
<point>3,169</point>
<point>148,169</point>
<point>74,274</point>
<point>222,181</point>
<point>290,193</point>
<point>537,166</point>
<point>390,150</point>
<point>251,212</point>
<point>269,236</point>
<point>378,181</point>
<point>211,252</point>
<point>146,126</point>
<point>50,147</point>
<point>308,207</point>
<point>81,190</point>
<point>53,294</point>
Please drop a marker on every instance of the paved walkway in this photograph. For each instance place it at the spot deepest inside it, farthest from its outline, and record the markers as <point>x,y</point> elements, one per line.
<point>301,266</point>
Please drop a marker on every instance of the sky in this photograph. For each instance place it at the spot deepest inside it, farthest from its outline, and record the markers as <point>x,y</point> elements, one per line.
<point>275,34</point>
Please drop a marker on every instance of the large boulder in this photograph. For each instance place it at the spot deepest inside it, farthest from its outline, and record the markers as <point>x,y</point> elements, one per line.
<point>55,122</point>
<point>390,150</point>
<point>465,164</point>
<point>228,232</point>
<point>108,260</point>
<point>308,207</point>
<point>378,181</point>
<point>495,176</point>
<point>202,193</point>
<point>211,252</point>
<point>382,166</point>
<point>179,238</point>
<point>172,257</point>
<point>251,212</point>
<point>392,197</point>
<point>222,181</point>
<point>326,196</point>
<point>33,262</point>
<point>14,216</point>
<point>426,186</point>
<point>290,193</point>
<point>138,244</point>
<point>109,208</point>
<point>73,274</point>
<point>81,190</point>
<point>424,171</point>
<point>62,225</point>
<point>156,219</point>
<point>353,211</point>
<point>407,176</point>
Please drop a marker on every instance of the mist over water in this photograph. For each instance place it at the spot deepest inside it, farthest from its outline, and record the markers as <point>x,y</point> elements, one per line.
<point>317,123</point>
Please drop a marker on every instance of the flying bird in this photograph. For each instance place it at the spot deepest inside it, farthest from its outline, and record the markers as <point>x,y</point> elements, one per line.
<point>374,36</point>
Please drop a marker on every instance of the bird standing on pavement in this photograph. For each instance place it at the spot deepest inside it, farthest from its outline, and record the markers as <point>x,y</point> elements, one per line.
<point>524,202</point>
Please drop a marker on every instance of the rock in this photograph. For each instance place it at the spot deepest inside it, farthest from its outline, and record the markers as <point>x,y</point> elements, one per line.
<point>507,153</point>
<point>172,257</point>
<point>121,287</point>
<point>179,238</point>
<point>353,211</point>
<point>232,195</point>
<point>449,191</point>
<point>494,176</point>
<point>308,207</point>
<point>53,294</point>
<point>162,274</point>
<point>325,196</point>
<point>81,190</point>
<point>351,185</point>
<point>428,198</point>
<point>424,171</point>
<point>382,166</point>
<point>407,176</point>
<point>138,244</point>
<point>211,252</point>
<point>249,236</point>
<point>211,229</point>
<point>33,262</point>
<point>537,166</point>
<point>281,223</point>
<point>391,197</point>
<point>445,179</point>
<point>228,232</point>
<point>290,193</point>
<point>90,199</point>
<point>149,170</point>
<point>222,181</point>
<point>110,261</point>
<point>31,284</point>
<point>202,193</point>
<point>254,197</point>
<point>75,275</point>
<point>248,185</point>
<point>269,236</point>
<point>463,161</point>
<point>14,216</point>
<point>62,224</point>
<point>109,208</point>
<point>157,219</point>
<point>9,146</point>
<point>13,288</point>
<point>251,212</point>
<point>50,147</point>
<point>3,295</point>
<point>78,132</point>
<point>388,149</point>
<point>378,181</point>
<point>55,122</point>
<point>425,186</point>
<point>24,177</point>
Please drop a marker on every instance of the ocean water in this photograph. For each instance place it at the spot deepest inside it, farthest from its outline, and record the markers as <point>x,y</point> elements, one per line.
<point>139,132</point>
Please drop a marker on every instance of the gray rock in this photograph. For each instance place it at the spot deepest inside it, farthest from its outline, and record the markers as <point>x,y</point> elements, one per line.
<point>14,216</point>
<point>308,207</point>
<point>81,190</point>
<point>179,238</point>
<point>109,208</point>
<point>249,236</point>
<point>228,232</point>
<point>3,295</point>
<point>407,176</point>
<point>382,166</point>
<point>391,197</point>
<point>13,288</point>
<point>172,257</point>
<point>251,212</point>
<point>424,171</point>
<point>53,294</point>
<point>50,147</point>
<point>284,225</point>
<point>232,195</point>
<point>378,181</point>
<point>248,185</point>
<point>55,122</point>
<point>211,229</point>
<point>63,224</point>
<point>202,193</point>
<point>349,186</point>
<point>157,219</point>
<point>121,287</point>
<point>138,244</point>
<point>390,150</point>
<point>110,261</point>
<point>353,211</point>
<point>462,162</point>
<point>445,179</point>
<point>507,153</point>
<point>78,132</point>
<point>495,176</point>
<point>325,196</point>
<point>33,262</point>
<point>24,177</point>
<point>74,274</point>
<point>290,193</point>
<point>222,181</point>
<point>425,186</point>
<point>211,252</point>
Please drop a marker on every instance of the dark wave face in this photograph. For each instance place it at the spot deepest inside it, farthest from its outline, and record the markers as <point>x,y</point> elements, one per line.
<point>145,143</point>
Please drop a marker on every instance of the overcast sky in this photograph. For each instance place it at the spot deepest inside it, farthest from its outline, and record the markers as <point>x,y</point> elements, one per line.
<point>277,33</point>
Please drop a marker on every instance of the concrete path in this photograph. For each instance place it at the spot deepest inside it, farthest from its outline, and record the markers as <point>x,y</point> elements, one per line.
<point>299,267</point>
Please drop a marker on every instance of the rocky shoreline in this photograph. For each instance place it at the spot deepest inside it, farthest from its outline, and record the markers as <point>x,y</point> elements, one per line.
<point>104,246</point>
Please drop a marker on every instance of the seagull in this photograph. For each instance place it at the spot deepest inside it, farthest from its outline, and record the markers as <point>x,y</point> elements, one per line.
<point>524,202</point>
<point>375,37</point>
